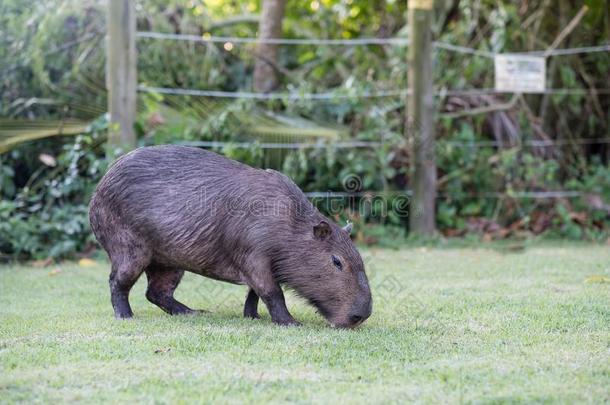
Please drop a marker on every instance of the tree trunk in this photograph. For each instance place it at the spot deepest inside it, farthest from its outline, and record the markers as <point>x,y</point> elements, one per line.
<point>270,26</point>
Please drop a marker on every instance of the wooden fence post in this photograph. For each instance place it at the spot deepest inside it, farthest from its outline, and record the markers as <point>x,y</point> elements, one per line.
<point>420,125</point>
<point>121,76</point>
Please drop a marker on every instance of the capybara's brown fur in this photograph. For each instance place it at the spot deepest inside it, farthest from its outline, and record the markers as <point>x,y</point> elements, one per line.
<point>164,210</point>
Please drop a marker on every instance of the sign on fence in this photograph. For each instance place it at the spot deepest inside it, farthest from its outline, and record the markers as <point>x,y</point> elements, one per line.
<point>520,73</point>
<point>420,4</point>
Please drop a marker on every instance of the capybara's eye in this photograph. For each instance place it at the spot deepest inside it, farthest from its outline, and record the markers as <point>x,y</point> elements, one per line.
<point>337,262</point>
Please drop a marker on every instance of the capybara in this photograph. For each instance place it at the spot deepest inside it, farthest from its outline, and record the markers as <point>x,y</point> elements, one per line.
<point>164,210</point>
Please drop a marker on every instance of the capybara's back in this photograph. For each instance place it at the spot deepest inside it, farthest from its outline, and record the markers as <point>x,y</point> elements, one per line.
<point>166,209</point>
<point>172,200</point>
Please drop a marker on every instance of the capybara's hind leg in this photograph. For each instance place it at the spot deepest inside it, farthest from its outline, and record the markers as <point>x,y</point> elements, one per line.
<point>122,277</point>
<point>129,257</point>
<point>162,283</point>
<point>251,305</point>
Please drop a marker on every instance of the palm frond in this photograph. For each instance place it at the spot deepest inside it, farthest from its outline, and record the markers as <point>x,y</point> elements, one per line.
<point>16,132</point>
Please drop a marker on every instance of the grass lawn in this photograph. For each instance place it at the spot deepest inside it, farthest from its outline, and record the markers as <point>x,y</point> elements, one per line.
<point>448,325</point>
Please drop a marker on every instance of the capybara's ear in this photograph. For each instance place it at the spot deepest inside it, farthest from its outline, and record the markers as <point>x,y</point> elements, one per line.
<point>322,230</point>
<point>348,228</point>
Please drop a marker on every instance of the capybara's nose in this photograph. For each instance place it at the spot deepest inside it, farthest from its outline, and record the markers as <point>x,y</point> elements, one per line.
<point>360,315</point>
<point>354,319</point>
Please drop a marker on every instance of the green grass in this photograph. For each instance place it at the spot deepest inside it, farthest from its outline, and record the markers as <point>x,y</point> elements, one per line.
<point>450,325</point>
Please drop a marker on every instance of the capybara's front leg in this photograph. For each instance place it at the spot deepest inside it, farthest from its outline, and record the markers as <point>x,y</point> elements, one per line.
<point>261,281</point>
<point>251,305</point>
<point>277,308</point>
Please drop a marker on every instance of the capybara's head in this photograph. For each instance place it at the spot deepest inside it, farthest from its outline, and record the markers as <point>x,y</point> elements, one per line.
<point>330,275</point>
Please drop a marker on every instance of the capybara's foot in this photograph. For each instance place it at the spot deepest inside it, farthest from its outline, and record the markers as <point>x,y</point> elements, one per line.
<point>286,321</point>
<point>252,315</point>
<point>120,303</point>
<point>123,316</point>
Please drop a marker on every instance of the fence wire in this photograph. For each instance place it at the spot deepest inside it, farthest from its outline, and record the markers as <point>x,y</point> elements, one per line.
<point>356,95</point>
<point>377,144</point>
<point>523,195</point>
<point>359,42</point>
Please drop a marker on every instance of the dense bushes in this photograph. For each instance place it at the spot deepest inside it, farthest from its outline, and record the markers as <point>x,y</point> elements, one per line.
<point>43,204</point>
<point>46,187</point>
<point>52,67</point>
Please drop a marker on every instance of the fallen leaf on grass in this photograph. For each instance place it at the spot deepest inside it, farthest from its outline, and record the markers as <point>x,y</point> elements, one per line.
<point>597,279</point>
<point>163,350</point>
<point>84,262</point>
<point>55,271</point>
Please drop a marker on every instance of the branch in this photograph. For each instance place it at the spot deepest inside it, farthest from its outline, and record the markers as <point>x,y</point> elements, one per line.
<point>568,28</point>
<point>483,110</point>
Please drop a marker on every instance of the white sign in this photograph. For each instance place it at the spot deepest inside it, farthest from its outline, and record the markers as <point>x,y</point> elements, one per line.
<point>517,73</point>
<point>419,4</point>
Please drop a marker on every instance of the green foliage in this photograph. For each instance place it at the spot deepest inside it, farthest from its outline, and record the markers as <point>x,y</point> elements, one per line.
<point>52,68</point>
<point>55,64</point>
<point>45,214</point>
<point>251,156</point>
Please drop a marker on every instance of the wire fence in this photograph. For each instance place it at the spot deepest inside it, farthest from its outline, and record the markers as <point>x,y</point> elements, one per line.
<point>339,95</point>
<point>342,94</point>
<point>396,41</point>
